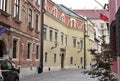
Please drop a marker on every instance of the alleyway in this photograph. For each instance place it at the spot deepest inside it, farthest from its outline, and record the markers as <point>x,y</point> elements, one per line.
<point>65,75</point>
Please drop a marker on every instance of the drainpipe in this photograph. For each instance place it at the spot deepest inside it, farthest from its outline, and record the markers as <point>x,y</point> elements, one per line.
<point>84,45</point>
<point>40,68</point>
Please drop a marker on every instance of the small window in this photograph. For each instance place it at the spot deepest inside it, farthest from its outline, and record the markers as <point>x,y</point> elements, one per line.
<point>81,44</point>
<point>66,41</point>
<point>51,35</point>
<point>56,37</point>
<point>16,9</point>
<point>3,5</point>
<point>62,39</point>
<point>46,57</point>
<point>37,51</point>
<point>71,60</point>
<point>102,25</point>
<point>74,42</point>
<point>30,18</point>
<point>37,22</point>
<point>28,51</point>
<point>15,48</point>
<point>45,33</point>
<point>54,58</point>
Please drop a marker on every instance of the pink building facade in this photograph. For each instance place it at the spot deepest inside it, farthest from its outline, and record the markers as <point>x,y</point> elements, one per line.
<point>114,18</point>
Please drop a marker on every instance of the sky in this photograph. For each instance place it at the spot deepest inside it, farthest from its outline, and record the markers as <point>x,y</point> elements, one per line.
<point>81,4</point>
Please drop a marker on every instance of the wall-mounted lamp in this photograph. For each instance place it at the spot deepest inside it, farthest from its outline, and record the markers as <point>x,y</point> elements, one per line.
<point>55,45</point>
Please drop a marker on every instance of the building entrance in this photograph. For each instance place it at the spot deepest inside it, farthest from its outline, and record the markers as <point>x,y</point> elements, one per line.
<point>62,52</point>
<point>62,61</point>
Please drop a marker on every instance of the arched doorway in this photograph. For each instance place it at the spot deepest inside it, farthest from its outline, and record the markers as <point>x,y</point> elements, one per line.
<point>2,48</point>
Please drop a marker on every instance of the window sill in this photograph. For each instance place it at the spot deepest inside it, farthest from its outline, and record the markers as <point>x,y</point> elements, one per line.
<point>17,21</point>
<point>4,13</point>
<point>30,28</point>
<point>37,31</point>
<point>28,59</point>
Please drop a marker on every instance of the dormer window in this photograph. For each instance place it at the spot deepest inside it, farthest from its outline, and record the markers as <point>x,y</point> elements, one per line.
<point>62,18</point>
<point>54,12</point>
<point>73,23</point>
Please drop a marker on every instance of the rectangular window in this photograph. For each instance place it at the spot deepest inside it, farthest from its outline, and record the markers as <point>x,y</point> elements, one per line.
<point>66,41</point>
<point>14,48</point>
<point>16,9</point>
<point>81,44</point>
<point>37,51</point>
<point>72,23</point>
<point>45,33</point>
<point>3,5</point>
<point>56,37</point>
<point>51,35</point>
<point>54,58</point>
<point>45,57</point>
<point>62,39</point>
<point>74,42</point>
<point>102,25</point>
<point>71,60</point>
<point>102,32</point>
<point>30,18</point>
<point>28,50</point>
<point>36,22</point>
<point>81,60</point>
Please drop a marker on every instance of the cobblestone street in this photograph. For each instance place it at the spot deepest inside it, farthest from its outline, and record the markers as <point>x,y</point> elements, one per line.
<point>65,75</point>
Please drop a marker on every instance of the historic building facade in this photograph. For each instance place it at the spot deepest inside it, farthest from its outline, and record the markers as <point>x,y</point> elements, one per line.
<point>20,33</point>
<point>66,40</point>
<point>100,25</point>
<point>114,9</point>
<point>67,36</point>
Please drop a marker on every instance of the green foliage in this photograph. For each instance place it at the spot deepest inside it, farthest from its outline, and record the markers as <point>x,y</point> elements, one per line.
<point>102,68</point>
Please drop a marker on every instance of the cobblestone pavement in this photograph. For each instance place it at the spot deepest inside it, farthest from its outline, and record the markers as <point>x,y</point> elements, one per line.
<point>65,75</point>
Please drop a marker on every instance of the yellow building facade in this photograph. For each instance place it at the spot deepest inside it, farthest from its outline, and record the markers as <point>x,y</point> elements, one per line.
<point>66,40</point>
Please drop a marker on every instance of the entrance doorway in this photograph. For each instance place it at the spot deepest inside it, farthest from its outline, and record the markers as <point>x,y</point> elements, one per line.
<point>62,52</point>
<point>2,48</point>
<point>62,61</point>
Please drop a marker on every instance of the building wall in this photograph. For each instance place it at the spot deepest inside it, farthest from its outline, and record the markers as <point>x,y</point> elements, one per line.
<point>72,31</point>
<point>19,31</point>
<point>114,25</point>
<point>23,34</point>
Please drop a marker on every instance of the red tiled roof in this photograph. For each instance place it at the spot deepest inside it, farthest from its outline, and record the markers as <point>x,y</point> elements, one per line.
<point>91,13</point>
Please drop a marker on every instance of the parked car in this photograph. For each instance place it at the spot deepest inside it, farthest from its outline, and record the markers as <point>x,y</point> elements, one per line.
<point>9,72</point>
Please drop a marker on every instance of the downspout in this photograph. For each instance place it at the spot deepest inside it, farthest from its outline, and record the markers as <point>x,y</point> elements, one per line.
<point>84,45</point>
<point>40,69</point>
